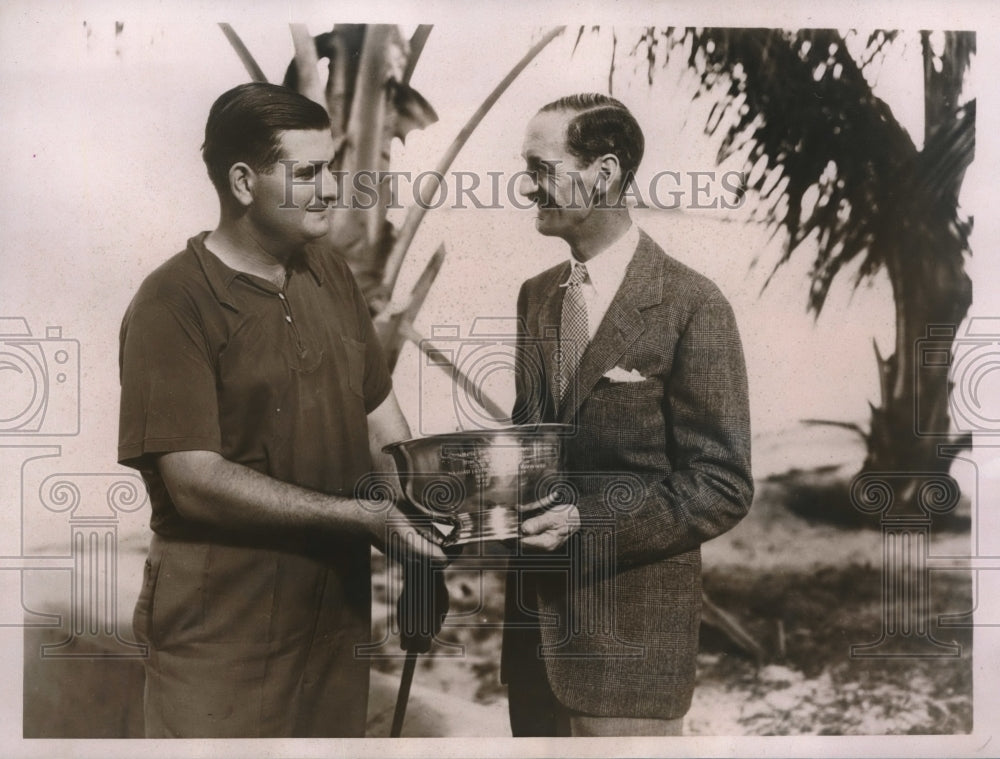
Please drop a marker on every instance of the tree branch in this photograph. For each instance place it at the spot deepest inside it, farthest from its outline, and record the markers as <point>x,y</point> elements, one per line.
<point>244,55</point>
<point>416,213</point>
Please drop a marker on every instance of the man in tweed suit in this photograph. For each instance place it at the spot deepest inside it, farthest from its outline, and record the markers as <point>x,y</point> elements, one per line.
<point>659,455</point>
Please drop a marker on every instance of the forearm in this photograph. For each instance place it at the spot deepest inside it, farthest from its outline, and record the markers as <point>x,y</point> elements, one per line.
<point>386,424</point>
<point>207,488</point>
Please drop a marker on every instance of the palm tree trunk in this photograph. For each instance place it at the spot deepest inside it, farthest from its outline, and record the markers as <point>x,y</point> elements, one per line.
<point>931,290</point>
<point>912,420</point>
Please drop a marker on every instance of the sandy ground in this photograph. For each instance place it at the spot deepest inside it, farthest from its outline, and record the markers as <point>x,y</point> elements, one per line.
<point>736,696</point>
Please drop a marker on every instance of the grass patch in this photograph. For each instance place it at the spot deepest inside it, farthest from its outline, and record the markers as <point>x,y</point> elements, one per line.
<point>824,495</point>
<point>807,622</point>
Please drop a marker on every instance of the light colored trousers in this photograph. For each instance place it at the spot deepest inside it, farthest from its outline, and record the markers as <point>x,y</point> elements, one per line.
<point>249,642</point>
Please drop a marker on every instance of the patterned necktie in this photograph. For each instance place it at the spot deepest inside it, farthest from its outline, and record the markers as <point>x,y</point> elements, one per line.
<point>573,333</point>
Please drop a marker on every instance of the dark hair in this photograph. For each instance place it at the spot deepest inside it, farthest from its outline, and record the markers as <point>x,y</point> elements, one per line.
<point>602,125</point>
<point>244,123</point>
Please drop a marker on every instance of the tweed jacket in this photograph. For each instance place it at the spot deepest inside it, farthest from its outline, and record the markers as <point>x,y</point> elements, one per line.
<point>659,462</point>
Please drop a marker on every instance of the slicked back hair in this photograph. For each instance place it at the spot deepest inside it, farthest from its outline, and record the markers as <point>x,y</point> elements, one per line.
<point>244,125</point>
<point>602,125</point>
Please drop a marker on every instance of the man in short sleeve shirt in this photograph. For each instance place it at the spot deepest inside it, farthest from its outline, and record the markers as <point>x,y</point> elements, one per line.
<point>255,396</point>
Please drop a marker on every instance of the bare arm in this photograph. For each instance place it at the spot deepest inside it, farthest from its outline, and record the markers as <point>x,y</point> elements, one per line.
<point>207,488</point>
<point>386,424</point>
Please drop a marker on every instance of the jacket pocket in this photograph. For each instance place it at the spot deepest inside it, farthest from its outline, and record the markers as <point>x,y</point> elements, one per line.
<point>649,389</point>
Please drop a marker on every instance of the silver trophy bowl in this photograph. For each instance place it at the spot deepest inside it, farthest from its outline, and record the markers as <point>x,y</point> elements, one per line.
<point>471,484</point>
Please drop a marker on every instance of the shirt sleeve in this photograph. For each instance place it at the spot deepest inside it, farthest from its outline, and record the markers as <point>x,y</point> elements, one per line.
<point>378,380</point>
<point>168,387</point>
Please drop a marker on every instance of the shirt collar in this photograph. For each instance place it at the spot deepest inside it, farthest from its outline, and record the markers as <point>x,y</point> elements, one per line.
<point>607,269</point>
<point>220,276</point>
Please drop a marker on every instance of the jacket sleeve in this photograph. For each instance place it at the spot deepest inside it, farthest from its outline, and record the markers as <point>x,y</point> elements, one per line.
<point>706,413</point>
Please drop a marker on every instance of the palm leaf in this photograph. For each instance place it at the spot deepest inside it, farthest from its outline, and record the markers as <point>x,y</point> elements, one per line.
<point>839,169</point>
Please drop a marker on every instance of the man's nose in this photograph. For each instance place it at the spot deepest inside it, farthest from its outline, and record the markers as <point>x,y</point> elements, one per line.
<point>527,185</point>
<point>329,187</point>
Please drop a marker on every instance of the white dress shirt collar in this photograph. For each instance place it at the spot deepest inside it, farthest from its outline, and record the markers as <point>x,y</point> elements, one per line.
<point>605,273</point>
<point>607,268</point>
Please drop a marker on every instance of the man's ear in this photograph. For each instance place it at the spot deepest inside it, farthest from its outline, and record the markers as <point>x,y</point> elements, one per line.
<point>610,175</point>
<point>241,183</point>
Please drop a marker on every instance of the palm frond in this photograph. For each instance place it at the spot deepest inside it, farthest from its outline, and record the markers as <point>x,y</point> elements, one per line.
<point>838,167</point>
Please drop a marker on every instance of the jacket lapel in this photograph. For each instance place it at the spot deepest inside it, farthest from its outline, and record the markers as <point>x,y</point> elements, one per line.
<point>622,325</point>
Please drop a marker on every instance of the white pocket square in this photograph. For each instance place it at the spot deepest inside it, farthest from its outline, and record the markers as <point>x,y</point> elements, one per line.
<point>618,374</point>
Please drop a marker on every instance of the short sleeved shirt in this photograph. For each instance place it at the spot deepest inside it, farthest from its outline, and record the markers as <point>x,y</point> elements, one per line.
<point>278,380</point>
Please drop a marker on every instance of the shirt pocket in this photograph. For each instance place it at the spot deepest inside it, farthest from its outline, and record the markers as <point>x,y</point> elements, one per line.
<point>355,352</point>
